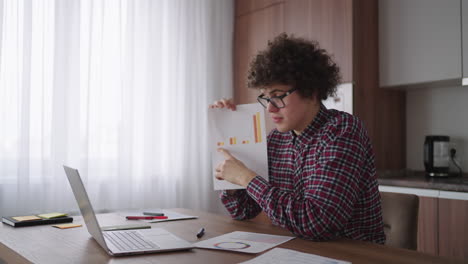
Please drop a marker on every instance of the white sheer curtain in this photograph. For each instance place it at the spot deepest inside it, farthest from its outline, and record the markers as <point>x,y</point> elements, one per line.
<point>116,88</point>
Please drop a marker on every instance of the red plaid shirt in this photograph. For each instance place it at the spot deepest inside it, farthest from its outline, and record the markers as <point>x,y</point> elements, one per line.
<point>322,183</point>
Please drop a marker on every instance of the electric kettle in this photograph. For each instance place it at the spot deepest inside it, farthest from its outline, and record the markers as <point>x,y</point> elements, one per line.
<point>436,155</point>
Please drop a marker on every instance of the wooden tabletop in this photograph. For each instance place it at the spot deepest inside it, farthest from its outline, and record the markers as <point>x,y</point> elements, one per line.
<point>45,244</point>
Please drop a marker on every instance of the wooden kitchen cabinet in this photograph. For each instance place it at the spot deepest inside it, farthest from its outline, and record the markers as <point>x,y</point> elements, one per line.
<point>428,226</point>
<point>453,228</point>
<point>419,41</point>
<point>442,221</point>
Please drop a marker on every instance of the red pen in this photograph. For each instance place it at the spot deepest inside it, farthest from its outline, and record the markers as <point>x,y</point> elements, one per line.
<point>145,217</point>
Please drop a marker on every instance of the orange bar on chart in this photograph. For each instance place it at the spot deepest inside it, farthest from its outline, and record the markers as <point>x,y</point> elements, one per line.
<point>259,128</point>
<point>232,141</point>
<point>255,128</point>
<point>220,144</point>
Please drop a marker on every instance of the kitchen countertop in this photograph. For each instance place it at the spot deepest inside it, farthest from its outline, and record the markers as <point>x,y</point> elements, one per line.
<point>418,179</point>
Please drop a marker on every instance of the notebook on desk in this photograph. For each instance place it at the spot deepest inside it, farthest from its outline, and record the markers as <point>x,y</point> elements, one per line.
<point>125,242</point>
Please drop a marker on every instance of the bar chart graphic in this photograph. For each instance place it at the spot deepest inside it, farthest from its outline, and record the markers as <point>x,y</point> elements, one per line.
<point>242,133</point>
<point>256,133</point>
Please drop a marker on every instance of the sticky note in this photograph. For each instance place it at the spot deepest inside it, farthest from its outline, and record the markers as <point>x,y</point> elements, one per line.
<point>26,218</point>
<point>51,215</point>
<point>65,226</point>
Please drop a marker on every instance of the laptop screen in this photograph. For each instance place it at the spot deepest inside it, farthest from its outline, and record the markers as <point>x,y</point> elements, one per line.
<point>85,205</point>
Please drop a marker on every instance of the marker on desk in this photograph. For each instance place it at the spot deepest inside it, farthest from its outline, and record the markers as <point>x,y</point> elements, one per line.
<point>145,217</point>
<point>201,232</point>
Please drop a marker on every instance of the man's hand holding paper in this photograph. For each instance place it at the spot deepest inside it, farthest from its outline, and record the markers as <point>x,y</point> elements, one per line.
<point>233,170</point>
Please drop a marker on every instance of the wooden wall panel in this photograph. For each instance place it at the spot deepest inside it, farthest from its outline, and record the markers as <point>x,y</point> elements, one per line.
<point>348,30</point>
<point>428,240</point>
<point>252,33</point>
<point>382,111</point>
<point>390,126</point>
<point>327,21</point>
<point>365,64</point>
<point>453,228</point>
<point>247,6</point>
<point>256,23</point>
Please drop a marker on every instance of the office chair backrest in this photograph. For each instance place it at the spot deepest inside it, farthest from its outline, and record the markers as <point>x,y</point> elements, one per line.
<point>400,217</point>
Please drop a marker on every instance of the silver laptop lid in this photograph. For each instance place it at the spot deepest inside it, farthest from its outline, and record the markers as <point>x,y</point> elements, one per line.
<point>85,205</point>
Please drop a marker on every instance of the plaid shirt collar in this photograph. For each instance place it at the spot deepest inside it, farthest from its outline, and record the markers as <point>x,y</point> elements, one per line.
<point>311,130</point>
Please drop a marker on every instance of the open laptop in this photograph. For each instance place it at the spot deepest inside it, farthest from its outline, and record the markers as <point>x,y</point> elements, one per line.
<point>123,242</point>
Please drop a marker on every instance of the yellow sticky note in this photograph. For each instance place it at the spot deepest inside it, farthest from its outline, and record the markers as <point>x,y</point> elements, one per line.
<point>65,226</point>
<point>51,215</point>
<point>26,218</point>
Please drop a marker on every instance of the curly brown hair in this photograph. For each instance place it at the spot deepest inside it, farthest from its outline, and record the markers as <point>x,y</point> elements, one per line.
<point>297,62</point>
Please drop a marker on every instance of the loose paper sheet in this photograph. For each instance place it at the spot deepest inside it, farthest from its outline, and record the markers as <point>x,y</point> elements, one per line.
<point>171,215</point>
<point>242,133</point>
<point>246,242</point>
<point>287,256</point>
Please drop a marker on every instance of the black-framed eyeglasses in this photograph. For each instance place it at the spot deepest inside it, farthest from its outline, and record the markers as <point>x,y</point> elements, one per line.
<point>276,101</point>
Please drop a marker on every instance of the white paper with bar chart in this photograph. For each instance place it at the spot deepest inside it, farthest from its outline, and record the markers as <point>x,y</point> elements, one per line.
<point>241,132</point>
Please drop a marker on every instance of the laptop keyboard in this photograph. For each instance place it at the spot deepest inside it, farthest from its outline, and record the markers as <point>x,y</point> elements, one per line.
<point>129,240</point>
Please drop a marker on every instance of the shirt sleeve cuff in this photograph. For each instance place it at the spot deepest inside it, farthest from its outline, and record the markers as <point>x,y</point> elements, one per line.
<point>225,196</point>
<point>257,189</point>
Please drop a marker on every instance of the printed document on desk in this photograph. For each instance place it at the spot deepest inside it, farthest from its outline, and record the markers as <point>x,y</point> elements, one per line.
<point>287,256</point>
<point>245,242</point>
<point>171,215</point>
<point>242,133</point>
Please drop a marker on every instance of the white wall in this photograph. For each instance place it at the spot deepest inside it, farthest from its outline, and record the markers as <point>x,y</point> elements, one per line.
<point>436,111</point>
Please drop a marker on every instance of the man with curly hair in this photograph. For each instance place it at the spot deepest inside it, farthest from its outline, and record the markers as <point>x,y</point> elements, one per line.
<point>322,180</point>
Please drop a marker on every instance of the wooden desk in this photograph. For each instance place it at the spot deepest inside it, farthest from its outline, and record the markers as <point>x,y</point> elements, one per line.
<point>45,244</point>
